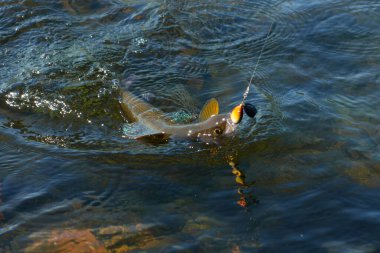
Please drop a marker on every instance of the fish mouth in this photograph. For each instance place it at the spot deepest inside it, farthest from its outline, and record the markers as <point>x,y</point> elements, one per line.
<point>230,126</point>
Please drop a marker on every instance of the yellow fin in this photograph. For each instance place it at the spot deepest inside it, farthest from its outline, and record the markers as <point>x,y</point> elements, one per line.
<point>209,109</point>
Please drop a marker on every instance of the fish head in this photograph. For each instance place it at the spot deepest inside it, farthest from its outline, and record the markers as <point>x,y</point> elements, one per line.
<point>216,126</point>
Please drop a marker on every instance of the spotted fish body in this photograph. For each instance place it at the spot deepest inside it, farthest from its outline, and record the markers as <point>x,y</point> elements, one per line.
<point>211,123</point>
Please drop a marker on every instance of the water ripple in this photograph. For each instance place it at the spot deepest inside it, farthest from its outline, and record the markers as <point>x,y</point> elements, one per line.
<point>312,147</point>
<point>344,27</point>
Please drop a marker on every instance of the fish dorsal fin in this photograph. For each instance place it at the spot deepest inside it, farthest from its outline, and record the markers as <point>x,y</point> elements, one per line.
<point>154,139</point>
<point>210,108</point>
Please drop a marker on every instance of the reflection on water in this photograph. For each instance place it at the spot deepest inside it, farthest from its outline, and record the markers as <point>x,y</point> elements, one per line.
<point>69,178</point>
<point>244,189</point>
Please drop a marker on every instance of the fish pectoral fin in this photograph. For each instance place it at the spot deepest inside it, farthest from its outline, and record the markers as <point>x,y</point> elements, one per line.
<point>210,108</point>
<point>154,139</point>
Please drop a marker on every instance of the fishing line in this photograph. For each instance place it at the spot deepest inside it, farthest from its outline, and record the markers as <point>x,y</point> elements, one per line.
<point>245,94</point>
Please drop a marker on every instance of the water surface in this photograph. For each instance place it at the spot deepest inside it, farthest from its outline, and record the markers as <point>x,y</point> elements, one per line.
<point>68,172</point>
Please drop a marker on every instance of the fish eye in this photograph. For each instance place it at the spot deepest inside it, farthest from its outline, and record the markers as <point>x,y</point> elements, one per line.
<point>218,131</point>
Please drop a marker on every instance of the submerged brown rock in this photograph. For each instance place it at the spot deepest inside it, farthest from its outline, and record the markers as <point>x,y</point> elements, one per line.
<point>65,241</point>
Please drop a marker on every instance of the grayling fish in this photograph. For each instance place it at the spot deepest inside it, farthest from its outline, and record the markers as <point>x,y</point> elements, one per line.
<point>211,124</point>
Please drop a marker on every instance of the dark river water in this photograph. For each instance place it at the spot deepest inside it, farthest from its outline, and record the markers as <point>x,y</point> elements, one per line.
<point>302,176</point>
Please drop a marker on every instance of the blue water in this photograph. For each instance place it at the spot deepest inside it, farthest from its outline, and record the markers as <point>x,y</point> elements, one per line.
<point>70,180</point>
